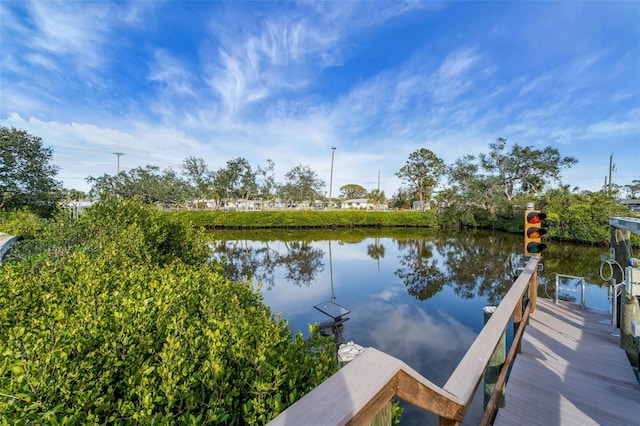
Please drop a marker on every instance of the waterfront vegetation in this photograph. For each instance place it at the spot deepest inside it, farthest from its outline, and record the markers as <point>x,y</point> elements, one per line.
<point>118,317</point>
<point>580,218</point>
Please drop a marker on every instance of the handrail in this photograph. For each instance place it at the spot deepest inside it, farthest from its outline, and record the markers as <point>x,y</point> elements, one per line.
<point>583,285</point>
<point>492,404</point>
<point>356,393</point>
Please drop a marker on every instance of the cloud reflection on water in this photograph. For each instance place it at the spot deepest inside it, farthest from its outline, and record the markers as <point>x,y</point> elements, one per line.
<point>430,343</point>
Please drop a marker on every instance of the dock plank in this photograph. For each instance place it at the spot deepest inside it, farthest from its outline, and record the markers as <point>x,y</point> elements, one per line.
<point>571,371</point>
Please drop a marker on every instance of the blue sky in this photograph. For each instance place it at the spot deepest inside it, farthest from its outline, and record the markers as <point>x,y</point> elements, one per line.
<point>286,81</point>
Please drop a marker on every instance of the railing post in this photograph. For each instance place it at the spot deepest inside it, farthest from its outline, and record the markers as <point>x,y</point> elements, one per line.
<point>533,290</point>
<point>384,416</point>
<point>517,319</point>
<point>495,363</point>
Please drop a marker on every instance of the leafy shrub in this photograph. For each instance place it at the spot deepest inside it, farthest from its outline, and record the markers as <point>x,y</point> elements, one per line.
<point>21,223</point>
<point>111,332</point>
<point>135,230</point>
<point>580,217</point>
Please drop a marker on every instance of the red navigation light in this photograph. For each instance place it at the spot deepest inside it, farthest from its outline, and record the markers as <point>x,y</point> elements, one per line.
<point>534,218</point>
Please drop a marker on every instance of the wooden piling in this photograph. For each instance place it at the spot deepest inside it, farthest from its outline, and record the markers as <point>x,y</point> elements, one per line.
<point>630,311</point>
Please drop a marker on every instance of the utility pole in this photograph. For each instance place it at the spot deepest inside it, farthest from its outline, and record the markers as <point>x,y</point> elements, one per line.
<point>610,169</point>
<point>118,154</point>
<point>378,198</point>
<point>333,151</point>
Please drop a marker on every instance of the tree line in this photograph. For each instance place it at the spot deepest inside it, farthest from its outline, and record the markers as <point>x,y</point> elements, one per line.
<point>472,191</point>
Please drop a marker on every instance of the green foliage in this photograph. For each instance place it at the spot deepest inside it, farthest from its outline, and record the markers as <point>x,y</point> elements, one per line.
<point>580,216</point>
<point>236,181</point>
<point>523,169</point>
<point>305,218</point>
<point>21,223</point>
<point>402,199</point>
<point>633,189</point>
<point>302,184</point>
<point>199,176</point>
<point>422,172</point>
<point>70,195</point>
<point>351,191</point>
<point>148,184</point>
<point>137,231</point>
<point>27,177</point>
<point>120,321</point>
<point>377,197</point>
<point>396,412</point>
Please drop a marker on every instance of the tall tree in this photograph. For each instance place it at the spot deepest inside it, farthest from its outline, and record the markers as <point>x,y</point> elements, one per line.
<point>266,179</point>
<point>302,184</point>
<point>469,191</point>
<point>236,181</point>
<point>422,171</point>
<point>148,184</point>
<point>402,199</point>
<point>351,191</point>
<point>377,197</point>
<point>27,176</point>
<point>524,169</point>
<point>199,176</point>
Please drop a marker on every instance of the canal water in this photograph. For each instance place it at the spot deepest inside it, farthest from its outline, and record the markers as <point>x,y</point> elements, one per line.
<point>415,294</point>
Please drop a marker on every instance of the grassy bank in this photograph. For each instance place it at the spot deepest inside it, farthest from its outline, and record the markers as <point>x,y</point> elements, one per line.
<point>305,219</point>
<point>593,230</point>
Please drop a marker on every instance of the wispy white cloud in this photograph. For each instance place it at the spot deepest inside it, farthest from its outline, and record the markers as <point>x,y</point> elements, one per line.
<point>287,83</point>
<point>171,74</point>
<point>283,54</point>
<point>74,29</point>
<point>617,126</point>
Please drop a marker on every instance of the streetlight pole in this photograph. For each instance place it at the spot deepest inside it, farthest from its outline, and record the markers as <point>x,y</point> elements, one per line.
<point>333,151</point>
<point>118,154</point>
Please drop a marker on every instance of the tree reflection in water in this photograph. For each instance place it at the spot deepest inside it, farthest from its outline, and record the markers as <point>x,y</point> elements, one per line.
<point>473,266</point>
<point>244,259</point>
<point>472,263</point>
<point>376,251</point>
<point>419,271</point>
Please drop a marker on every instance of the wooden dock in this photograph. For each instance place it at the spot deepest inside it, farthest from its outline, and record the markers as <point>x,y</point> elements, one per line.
<point>571,371</point>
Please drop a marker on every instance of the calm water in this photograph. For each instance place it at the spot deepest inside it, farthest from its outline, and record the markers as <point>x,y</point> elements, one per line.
<point>414,294</point>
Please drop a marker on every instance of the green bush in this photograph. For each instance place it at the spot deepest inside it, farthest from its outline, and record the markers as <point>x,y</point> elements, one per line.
<point>126,328</point>
<point>135,230</point>
<point>580,217</point>
<point>21,223</point>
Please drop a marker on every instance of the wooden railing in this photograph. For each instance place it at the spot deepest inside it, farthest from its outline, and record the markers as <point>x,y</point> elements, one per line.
<point>360,390</point>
